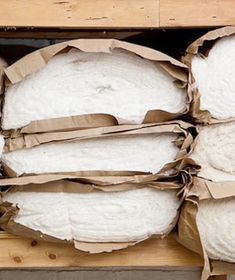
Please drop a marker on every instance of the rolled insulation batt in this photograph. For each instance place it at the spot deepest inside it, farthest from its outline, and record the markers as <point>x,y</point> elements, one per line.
<point>216,223</point>
<point>214,77</point>
<point>214,151</point>
<point>148,153</point>
<point>97,217</point>
<point>121,84</point>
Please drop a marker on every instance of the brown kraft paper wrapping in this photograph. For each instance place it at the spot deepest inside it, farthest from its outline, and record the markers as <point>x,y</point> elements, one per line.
<point>38,59</point>
<point>3,65</point>
<point>202,46</point>
<point>8,212</point>
<point>188,233</point>
<point>184,141</point>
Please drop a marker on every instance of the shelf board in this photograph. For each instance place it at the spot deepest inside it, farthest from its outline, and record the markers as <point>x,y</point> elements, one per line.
<point>115,14</point>
<point>80,13</point>
<point>17,252</point>
<point>200,13</point>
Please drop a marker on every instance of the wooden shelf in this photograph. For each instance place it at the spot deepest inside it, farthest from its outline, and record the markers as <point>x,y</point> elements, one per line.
<point>111,14</point>
<point>23,253</point>
<point>119,19</point>
<point>196,13</point>
<point>80,13</point>
<point>17,252</point>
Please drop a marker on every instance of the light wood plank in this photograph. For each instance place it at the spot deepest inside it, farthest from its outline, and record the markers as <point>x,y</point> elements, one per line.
<point>79,13</point>
<point>199,13</point>
<point>22,252</point>
<point>106,14</point>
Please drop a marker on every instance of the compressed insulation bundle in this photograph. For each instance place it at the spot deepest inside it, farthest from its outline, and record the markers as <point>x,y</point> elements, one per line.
<point>206,225</point>
<point>214,152</point>
<point>147,153</point>
<point>93,216</point>
<point>216,222</point>
<point>120,83</point>
<point>214,78</point>
<point>211,80</point>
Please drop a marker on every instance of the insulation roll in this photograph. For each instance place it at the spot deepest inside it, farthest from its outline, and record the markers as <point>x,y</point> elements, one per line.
<point>120,83</point>
<point>123,216</point>
<point>215,80</point>
<point>147,153</point>
<point>214,152</point>
<point>216,222</point>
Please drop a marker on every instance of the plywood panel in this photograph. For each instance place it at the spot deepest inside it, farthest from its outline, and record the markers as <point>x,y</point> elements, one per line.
<point>79,13</point>
<point>196,13</point>
<point>23,252</point>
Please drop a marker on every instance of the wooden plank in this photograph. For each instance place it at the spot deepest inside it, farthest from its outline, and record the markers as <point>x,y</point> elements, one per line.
<point>200,13</point>
<point>108,14</point>
<point>79,13</point>
<point>22,252</point>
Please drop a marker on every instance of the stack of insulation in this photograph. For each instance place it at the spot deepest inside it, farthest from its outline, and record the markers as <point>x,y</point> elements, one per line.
<point>208,216</point>
<point>94,152</point>
<point>91,144</point>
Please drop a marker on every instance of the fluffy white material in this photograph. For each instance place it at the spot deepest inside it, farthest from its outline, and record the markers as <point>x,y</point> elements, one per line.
<point>134,153</point>
<point>214,151</point>
<point>121,84</point>
<point>97,217</point>
<point>215,78</point>
<point>216,223</point>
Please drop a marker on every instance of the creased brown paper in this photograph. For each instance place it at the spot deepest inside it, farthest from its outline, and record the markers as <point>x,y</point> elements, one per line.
<point>3,65</point>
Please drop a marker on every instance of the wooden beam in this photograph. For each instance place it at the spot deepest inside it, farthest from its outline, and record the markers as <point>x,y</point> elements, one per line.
<point>20,252</point>
<point>108,14</point>
<point>79,13</point>
<point>119,14</point>
<point>200,13</point>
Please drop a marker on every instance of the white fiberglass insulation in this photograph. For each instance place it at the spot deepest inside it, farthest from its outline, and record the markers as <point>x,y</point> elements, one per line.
<point>214,151</point>
<point>122,153</point>
<point>122,84</point>
<point>97,217</point>
<point>215,78</point>
<point>216,223</point>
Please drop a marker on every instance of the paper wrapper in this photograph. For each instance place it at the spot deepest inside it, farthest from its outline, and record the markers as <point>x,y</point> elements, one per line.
<point>188,233</point>
<point>184,140</point>
<point>9,212</point>
<point>202,46</point>
<point>3,65</point>
<point>38,59</point>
